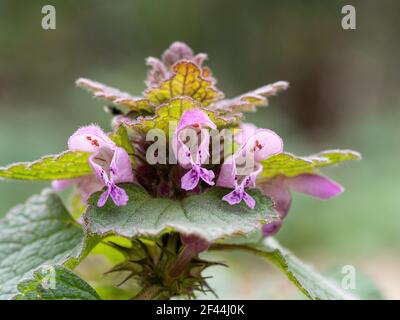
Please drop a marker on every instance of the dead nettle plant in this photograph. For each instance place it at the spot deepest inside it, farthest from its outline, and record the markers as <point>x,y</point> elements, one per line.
<point>179,174</point>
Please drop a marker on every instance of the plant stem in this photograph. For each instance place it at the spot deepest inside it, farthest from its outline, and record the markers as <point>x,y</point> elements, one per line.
<point>150,292</point>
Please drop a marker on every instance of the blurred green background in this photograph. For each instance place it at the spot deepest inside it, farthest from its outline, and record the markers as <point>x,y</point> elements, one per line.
<point>344,94</point>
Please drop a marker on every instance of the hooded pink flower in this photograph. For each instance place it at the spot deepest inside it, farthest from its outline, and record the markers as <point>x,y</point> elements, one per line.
<point>240,170</point>
<point>279,190</point>
<point>191,147</point>
<point>86,185</point>
<point>110,163</point>
<point>312,184</point>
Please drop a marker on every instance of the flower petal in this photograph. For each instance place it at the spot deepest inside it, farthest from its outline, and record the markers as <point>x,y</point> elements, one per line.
<point>315,185</point>
<point>280,194</point>
<point>227,174</point>
<point>264,143</point>
<point>207,176</point>
<point>103,198</point>
<point>251,203</point>
<point>245,132</point>
<point>89,139</point>
<point>118,195</point>
<point>191,179</point>
<point>233,197</point>
<point>194,117</point>
<point>60,185</point>
<point>271,228</point>
<point>121,167</point>
<point>100,163</point>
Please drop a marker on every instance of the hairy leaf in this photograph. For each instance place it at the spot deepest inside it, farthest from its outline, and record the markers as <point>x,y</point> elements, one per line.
<point>309,282</point>
<point>251,100</point>
<point>205,215</point>
<point>121,139</point>
<point>55,283</point>
<point>186,80</point>
<point>169,113</point>
<point>290,165</point>
<point>39,232</point>
<point>67,165</point>
<point>115,96</point>
<point>312,284</point>
<point>364,286</point>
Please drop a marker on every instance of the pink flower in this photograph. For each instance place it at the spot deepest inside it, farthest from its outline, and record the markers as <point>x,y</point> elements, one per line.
<point>110,163</point>
<point>312,184</point>
<point>191,147</point>
<point>240,170</point>
<point>86,185</point>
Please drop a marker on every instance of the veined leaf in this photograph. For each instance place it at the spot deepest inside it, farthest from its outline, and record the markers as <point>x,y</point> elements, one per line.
<point>170,112</point>
<point>251,100</point>
<point>39,232</point>
<point>309,282</point>
<point>205,215</point>
<point>290,165</point>
<point>186,80</point>
<point>312,284</point>
<point>364,286</point>
<point>55,283</point>
<point>121,139</point>
<point>67,165</point>
<point>115,96</point>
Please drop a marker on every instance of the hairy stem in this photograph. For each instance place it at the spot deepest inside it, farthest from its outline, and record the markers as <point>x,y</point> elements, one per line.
<point>150,292</point>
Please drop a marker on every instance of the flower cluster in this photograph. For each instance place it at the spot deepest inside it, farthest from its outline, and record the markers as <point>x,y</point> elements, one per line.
<point>188,114</point>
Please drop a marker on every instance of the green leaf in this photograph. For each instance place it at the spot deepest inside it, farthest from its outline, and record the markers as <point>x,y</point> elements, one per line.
<point>55,283</point>
<point>67,165</point>
<point>251,100</point>
<point>308,281</point>
<point>290,165</point>
<point>365,287</point>
<point>187,80</point>
<point>117,97</point>
<point>205,214</point>
<point>39,232</point>
<point>121,139</point>
<point>169,113</point>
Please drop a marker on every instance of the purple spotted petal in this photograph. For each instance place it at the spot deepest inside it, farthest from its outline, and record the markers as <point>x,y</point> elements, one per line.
<point>314,185</point>
<point>233,197</point>
<point>118,195</point>
<point>249,200</point>
<point>100,162</point>
<point>190,142</point>
<point>263,143</point>
<point>89,139</point>
<point>207,176</point>
<point>121,167</point>
<point>237,195</point>
<point>191,179</point>
<point>194,117</point>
